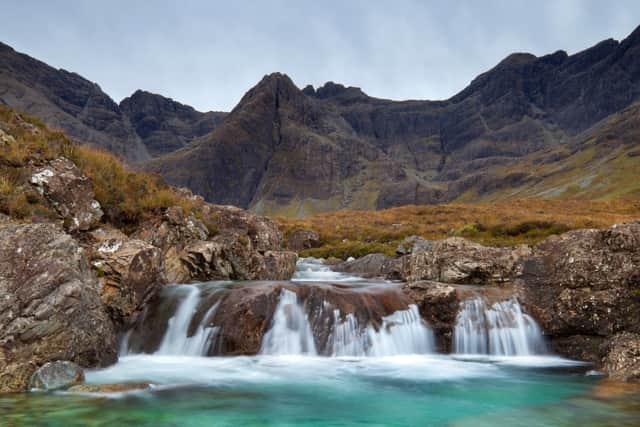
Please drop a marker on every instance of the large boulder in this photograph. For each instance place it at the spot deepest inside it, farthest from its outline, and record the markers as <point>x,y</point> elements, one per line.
<point>412,244</point>
<point>458,260</point>
<point>299,240</point>
<point>50,307</point>
<point>371,265</point>
<point>70,192</point>
<point>130,272</point>
<point>583,287</point>
<point>56,375</point>
<point>623,359</point>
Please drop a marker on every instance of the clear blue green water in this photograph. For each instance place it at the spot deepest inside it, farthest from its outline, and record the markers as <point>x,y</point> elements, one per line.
<point>315,391</point>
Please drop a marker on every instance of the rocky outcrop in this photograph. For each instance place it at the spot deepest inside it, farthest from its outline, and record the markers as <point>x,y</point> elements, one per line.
<point>299,240</point>
<point>413,244</point>
<point>457,260</point>
<point>371,265</point>
<point>56,375</point>
<point>623,359</point>
<point>50,307</point>
<point>584,289</point>
<point>70,192</point>
<point>130,272</point>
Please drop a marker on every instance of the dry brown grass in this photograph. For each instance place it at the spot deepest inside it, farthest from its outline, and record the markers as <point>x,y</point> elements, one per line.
<point>503,223</point>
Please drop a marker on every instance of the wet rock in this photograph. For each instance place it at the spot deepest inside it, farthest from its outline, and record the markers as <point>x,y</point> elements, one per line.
<point>278,265</point>
<point>50,307</point>
<point>108,388</point>
<point>623,360</point>
<point>56,375</point>
<point>70,192</point>
<point>130,272</point>
<point>371,265</point>
<point>303,239</point>
<point>457,260</point>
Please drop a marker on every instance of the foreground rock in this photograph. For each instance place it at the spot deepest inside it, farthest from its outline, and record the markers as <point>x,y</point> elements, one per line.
<point>584,289</point>
<point>458,260</point>
<point>50,307</point>
<point>56,375</point>
<point>70,192</point>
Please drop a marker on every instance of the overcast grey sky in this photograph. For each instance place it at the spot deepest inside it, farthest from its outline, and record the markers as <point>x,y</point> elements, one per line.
<point>209,53</point>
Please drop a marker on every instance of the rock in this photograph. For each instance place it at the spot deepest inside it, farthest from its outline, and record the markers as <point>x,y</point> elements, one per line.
<point>438,304</point>
<point>70,192</point>
<point>56,375</point>
<point>413,244</point>
<point>371,265</point>
<point>172,229</point>
<point>130,272</point>
<point>458,260</point>
<point>583,287</point>
<point>6,138</point>
<point>108,388</point>
<point>278,265</point>
<point>623,360</point>
<point>50,307</point>
<point>299,240</point>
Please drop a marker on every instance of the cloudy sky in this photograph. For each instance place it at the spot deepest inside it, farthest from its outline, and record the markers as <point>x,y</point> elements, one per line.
<point>208,53</point>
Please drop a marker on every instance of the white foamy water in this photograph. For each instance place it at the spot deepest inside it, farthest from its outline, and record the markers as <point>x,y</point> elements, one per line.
<point>499,330</point>
<point>290,332</point>
<point>401,333</point>
<point>315,270</point>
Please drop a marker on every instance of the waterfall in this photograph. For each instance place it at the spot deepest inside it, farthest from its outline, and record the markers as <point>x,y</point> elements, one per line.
<point>176,340</point>
<point>500,330</point>
<point>290,331</point>
<point>403,332</point>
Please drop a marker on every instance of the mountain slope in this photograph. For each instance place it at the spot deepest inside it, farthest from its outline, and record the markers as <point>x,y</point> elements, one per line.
<point>289,151</point>
<point>142,126</point>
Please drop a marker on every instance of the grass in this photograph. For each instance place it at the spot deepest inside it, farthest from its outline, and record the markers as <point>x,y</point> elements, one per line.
<point>502,223</point>
<point>126,196</point>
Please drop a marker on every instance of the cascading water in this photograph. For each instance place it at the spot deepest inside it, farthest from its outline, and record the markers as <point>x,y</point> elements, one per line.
<point>176,340</point>
<point>500,330</point>
<point>403,332</point>
<point>290,331</point>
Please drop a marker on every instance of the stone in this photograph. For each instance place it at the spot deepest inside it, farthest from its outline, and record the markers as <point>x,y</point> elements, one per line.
<point>50,306</point>
<point>299,240</point>
<point>458,260</point>
<point>130,272</point>
<point>370,265</point>
<point>413,244</point>
<point>278,265</point>
<point>108,388</point>
<point>56,375</point>
<point>70,192</point>
<point>623,360</point>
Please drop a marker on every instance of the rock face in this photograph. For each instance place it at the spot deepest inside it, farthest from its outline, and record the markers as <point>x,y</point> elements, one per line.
<point>70,193</point>
<point>623,358</point>
<point>50,307</point>
<point>303,239</point>
<point>56,375</point>
<point>457,260</point>
<point>130,272</point>
<point>584,289</point>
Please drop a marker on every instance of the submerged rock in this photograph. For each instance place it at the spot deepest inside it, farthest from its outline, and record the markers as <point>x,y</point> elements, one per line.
<point>50,307</point>
<point>108,388</point>
<point>56,375</point>
<point>70,192</point>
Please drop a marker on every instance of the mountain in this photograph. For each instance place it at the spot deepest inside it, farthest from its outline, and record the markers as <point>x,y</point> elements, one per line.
<point>142,126</point>
<point>288,151</point>
<point>551,126</point>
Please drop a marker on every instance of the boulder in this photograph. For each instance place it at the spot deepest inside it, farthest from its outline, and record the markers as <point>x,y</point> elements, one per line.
<point>130,272</point>
<point>623,360</point>
<point>50,307</point>
<point>371,265</point>
<point>56,375</point>
<point>299,240</point>
<point>583,287</point>
<point>458,260</point>
<point>413,244</point>
<point>70,192</point>
<point>278,265</point>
